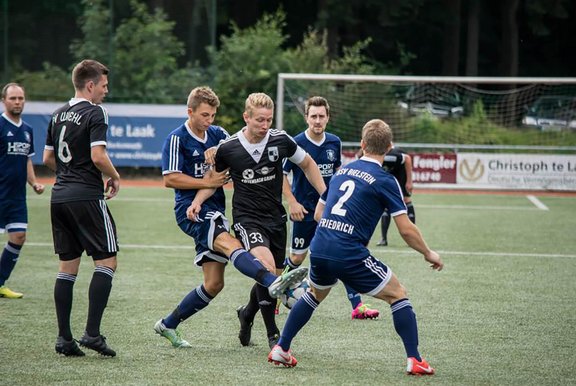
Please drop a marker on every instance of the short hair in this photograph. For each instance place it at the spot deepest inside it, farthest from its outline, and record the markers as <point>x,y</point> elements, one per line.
<point>88,70</point>
<point>316,101</point>
<point>258,100</point>
<point>202,94</point>
<point>377,137</point>
<point>5,89</point>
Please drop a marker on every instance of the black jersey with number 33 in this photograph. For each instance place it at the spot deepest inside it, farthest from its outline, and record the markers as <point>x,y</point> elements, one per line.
<point>73,130</point>
<point>256,170</point>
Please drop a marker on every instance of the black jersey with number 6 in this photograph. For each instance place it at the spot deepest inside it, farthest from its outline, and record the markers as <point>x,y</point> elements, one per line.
<point>256,170</point>
<point>73,130</point>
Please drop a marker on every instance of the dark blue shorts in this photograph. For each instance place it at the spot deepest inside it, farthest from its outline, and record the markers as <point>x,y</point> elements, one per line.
<point>212,224</point>
<point>366,276</point>
<point>13,216</point>
<point>301,235</point>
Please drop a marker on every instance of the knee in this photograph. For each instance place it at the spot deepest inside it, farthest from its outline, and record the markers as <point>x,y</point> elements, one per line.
<point>17,238</point>
<point>214,287</point>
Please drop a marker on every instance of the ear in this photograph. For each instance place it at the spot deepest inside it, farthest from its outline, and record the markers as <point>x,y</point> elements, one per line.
<point>245,116</point>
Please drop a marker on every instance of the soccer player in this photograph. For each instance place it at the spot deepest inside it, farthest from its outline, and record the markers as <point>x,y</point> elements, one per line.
<point>81,221</point>
<point>326,150</point>
<point>254,158</point>
<point>16,148</point>
<point>347,215</point>
<point>185,170</point>
<point>398,163</point>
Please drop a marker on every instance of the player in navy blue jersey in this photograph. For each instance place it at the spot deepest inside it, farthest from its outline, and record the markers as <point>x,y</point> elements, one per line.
<point>184,169</point>
<point>254,158</point>
<point>16,148</point>
<point>326,150</point>
<point>347,215</point>
<point>81,221</point>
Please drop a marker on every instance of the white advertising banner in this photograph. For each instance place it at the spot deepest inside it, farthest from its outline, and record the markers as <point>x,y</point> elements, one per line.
<point>517,171</point>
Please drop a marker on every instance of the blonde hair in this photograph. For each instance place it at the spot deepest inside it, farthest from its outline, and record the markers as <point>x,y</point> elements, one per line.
<point>202,94</point>
<point>377,137</point>
<point>258,100</point>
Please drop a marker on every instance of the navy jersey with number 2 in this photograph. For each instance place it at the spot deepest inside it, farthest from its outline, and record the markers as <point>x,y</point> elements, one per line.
<point>357,196</point>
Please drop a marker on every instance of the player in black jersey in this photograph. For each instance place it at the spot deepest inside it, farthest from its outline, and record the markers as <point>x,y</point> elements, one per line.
<point>398,163</point>
<point>254,156</point>
<point>81,221</point>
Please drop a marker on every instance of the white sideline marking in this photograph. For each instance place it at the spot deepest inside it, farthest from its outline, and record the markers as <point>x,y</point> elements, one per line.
<point>473,207</point>
<point>539,204</point>
<point>397,251</point>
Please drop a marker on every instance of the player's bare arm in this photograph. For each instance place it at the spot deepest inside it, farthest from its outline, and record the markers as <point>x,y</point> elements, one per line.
<point>296,210</point>
<point>310,169</point>
<point>211,179</point>
<point>209,155</point>
<point>49,159</point>
<point>104,164</point>
<point>196,205</point>
<point>31,178</point>
<point>412,236</point>
<point>318,211</point>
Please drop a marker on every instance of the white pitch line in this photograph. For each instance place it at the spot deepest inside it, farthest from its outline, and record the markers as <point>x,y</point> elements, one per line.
<point>539,204</point>
<point>392,250</point>
<point>474,207</point>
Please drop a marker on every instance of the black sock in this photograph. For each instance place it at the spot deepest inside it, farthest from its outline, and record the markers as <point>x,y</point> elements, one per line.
<point>267,306</point>
<point>98,295</point>
<point>384,225</point>
<point>411,212</point>
<point>63,295</point>
<point>252,307</point>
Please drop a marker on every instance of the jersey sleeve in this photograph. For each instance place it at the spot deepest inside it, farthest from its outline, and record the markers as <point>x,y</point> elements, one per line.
<point>99,126</point>
<point>49,145</point>
<point>172,158</point>
<point>32,152</point>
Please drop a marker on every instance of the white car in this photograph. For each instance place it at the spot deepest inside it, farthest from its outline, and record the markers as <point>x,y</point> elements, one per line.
<point>552,113</point>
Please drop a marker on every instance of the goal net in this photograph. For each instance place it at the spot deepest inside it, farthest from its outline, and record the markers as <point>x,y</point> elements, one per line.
<point>438,110</point>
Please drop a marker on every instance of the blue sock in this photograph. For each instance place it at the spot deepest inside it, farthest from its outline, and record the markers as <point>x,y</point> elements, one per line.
<point>195,301</point>
<point>406,326</point>
<point>8,260</point>
<point>250,266</point>
<point>353,296</point>
<point>299,315</point>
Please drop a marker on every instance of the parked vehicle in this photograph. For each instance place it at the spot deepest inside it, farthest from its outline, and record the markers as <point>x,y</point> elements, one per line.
<point>552,113</point>
<point>434,100</point>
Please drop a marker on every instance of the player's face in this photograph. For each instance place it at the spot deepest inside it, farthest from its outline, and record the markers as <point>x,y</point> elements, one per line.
<point>259,122</point>
<point>317,119</point>
<point>14,101</point>
<point>200,119</point>
<point>100,90</point>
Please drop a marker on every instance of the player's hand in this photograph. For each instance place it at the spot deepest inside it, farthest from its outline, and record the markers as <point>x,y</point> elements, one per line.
<point>209,155</point>
<point>435,261</point>
<point>112,188</point>
<point>193,211</point>
<point>38,188</point>
<point>409,187</point>
<point>216,179</point>
<point>297,211</point>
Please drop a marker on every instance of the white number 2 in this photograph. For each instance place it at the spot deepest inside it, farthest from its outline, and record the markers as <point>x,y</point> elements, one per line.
<point>63,146</point>
<point>348,188</point>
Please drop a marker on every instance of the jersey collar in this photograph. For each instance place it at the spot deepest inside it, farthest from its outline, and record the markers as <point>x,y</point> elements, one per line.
<point>11,121</point>
<point>317,143</point>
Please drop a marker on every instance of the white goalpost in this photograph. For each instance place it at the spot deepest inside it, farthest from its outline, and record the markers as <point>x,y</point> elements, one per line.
<point>461,122</point>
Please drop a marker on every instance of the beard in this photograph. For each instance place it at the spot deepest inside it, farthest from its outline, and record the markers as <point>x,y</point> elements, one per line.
<point>16,112</point>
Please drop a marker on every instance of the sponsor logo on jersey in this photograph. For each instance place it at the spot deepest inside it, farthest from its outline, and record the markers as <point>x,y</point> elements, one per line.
<point>18,148</point>
<point>9,134</point>
<point>326,170</point>
<point>273,153</point>
<point>195,154</point>
<point>265,170</point>
<point>248,174</point>
<point>27,136</point>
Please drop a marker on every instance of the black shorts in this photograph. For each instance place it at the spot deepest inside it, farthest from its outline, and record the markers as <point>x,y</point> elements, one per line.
<point>83,226</point>
<point>253,234</point>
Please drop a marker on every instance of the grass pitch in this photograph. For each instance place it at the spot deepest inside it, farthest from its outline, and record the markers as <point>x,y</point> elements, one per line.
<point>502,311</point>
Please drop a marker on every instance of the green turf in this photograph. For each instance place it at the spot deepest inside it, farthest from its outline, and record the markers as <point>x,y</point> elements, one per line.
<point>502,311</point>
